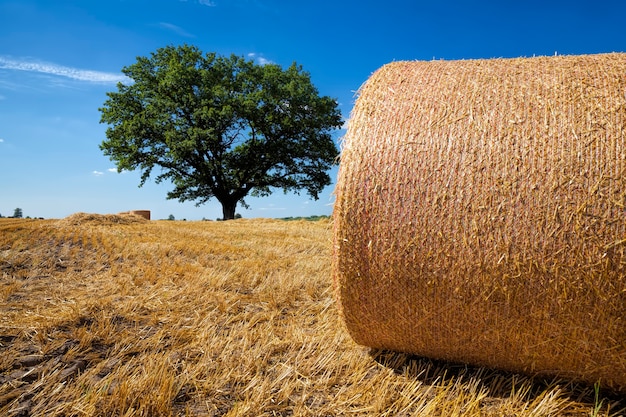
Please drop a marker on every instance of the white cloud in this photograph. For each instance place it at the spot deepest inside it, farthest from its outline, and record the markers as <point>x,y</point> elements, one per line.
<point>1,140</point>
<point>61,71</point>
<point>176,29</point>
<point>98,173</point>
<point>259,59</point>
<point>114,171</point>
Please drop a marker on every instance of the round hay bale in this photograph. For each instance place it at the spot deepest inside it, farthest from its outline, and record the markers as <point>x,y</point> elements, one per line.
<point>480,214</point>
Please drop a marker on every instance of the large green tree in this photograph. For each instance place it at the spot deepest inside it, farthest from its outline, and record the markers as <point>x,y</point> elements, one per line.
<point>220,127</point>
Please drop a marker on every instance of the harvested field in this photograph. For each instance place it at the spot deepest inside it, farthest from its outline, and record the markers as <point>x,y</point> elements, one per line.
<point>167,318</point>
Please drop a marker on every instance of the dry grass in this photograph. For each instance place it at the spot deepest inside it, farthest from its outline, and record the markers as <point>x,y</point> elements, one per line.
<point>481,214</point>
<point>104,317</point>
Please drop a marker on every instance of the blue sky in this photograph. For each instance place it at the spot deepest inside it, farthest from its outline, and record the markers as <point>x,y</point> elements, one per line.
<point>59,58</point>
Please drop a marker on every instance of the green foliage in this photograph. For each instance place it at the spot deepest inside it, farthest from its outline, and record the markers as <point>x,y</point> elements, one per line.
<point>17,213</point>
<point>597,403</point>
<point>221,127</point>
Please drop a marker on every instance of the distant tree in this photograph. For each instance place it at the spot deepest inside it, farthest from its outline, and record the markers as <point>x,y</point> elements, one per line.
<point>221,127</point>
<point>171,217</point>
<point>17,213</point>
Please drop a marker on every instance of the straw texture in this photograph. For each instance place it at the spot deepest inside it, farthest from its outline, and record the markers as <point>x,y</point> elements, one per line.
<point>480,214</point>
<point>80,218</point>
<point>143,213</point>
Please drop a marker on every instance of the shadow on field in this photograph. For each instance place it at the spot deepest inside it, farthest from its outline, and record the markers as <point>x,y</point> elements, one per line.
<point>497,383</point>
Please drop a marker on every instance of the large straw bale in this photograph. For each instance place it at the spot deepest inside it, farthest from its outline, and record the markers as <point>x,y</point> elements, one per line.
<point>480,214</point>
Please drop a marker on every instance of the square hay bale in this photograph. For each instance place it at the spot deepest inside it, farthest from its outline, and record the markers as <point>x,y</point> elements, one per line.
<point>480,214</point>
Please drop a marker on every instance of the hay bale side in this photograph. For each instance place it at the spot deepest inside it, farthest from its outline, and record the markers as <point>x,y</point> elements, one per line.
<point>143,213</point>
<point>480,214</point>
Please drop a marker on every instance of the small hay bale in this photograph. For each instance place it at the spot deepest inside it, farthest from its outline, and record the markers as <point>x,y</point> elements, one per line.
<point>480,214</point>
<point>143,213</point>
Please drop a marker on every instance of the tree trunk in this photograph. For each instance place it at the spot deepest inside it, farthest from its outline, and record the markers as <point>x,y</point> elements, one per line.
<point>228,209</point>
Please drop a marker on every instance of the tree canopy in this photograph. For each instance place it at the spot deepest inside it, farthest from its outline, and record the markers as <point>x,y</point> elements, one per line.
<point>221,127</point>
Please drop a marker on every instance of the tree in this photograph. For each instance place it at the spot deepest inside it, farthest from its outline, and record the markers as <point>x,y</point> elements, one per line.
<point>17,213</point>
<point>221,127</point>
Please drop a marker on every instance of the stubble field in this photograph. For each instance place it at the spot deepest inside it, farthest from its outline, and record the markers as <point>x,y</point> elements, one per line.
<point>117,316</point>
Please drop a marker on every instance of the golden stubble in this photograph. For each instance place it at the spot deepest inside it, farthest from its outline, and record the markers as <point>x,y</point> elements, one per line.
<point>102,316</point>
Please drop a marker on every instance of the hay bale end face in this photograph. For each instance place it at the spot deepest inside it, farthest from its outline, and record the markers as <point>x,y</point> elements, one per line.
<point>480,214</point>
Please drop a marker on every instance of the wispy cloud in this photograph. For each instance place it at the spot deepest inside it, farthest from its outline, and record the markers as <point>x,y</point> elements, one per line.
<point>209,3</point>
<point>176,29</point>
<point>273,207</point>
<point>259,59</point>
<point>97,173</point>
<point>30,65</point>
<point>1,140</point>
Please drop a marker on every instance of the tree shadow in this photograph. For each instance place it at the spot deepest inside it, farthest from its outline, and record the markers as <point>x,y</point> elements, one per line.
<point>498,383</point>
